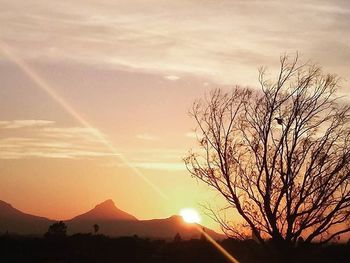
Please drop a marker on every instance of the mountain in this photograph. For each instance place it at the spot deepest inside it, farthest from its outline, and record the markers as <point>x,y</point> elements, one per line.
<point>165,229</point>
<point>105,214</point>
<point>111,220</point>
<point>156,228</point>
<point>105,211</point>
<point>15,221</point>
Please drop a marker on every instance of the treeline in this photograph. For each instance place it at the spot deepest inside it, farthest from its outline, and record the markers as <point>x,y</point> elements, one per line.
<point>100,248</point>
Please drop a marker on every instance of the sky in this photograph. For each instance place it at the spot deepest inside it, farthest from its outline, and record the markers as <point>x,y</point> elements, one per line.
<point>129,71</point>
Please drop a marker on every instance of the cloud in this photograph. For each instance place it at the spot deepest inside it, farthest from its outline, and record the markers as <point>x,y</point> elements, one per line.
<point>172,77</point>
<point>166,159</point>
<point>48,142</point>
<point>191,135</point>
<point>17,124</point>
<point>147,137</point>
<point>83,133</point>
<point>167,166</point>
<point>225,40</point>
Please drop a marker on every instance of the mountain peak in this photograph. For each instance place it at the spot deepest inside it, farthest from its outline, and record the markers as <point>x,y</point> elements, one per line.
<point>106,211</point>
<point>176,218</point>
<point>106,204</point>
<point>3,204</point>
<point>16,221</point>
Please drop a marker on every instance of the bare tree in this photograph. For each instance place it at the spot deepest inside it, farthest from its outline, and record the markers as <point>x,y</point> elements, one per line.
<point>279,156</point>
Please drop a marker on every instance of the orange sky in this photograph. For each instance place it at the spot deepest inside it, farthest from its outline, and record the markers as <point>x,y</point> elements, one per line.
<point>132,69</point>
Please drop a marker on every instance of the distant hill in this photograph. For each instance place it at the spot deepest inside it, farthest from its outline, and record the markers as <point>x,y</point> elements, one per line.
<point>111,220</point>
<point>17,222</point>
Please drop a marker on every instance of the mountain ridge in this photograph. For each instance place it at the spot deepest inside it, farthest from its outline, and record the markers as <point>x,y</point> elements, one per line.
<point>13,220</point>
<point>112,221</point>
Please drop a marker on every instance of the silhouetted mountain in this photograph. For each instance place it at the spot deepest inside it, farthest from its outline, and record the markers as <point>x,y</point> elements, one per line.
<point>15,221</point>
<point>167,228</point>
<point>155,228</point>
<point>105,211</point>
<point>111,220</point>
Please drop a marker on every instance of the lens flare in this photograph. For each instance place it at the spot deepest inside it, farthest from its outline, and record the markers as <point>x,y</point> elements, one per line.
<point>190,215</point>
<point>46,87</point>
<point>217,246</point>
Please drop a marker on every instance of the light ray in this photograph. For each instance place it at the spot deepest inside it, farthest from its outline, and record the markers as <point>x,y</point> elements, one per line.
<point>48,89</point>
<point>217,246</point>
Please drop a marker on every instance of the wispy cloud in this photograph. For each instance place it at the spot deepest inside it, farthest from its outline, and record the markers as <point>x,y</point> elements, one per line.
<point>147,137</point>
<point>166,166</point>
<point>48,142</point>
<point>16,124</point>
<point>224,40</point>
<point>150,165</point>
<point>172,77</point>
<point>153,159</point>
<point>191,135</point>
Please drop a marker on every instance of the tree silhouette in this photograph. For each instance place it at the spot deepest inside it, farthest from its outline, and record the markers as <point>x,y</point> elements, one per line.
<point>96,228</point>
<point>177,238</point>
<point>57,230</point>
<point>279,156</point>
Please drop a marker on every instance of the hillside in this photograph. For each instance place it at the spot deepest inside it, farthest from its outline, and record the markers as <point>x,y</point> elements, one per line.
<point>111,220</point>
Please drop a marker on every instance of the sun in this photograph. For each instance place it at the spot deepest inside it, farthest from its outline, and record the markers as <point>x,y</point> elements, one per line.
<point>190,215</point>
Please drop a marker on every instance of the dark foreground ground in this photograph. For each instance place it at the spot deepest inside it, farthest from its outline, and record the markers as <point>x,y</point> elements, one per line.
<point>98,248</point>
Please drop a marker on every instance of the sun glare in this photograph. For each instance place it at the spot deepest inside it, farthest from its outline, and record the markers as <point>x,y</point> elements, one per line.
<point>190,215</point>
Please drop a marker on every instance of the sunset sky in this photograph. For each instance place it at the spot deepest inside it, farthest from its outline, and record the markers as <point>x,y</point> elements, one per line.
<point>129,70</point>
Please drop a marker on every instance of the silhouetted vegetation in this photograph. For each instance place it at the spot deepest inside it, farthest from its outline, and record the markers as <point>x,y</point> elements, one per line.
<point>177,238</point>
<point>57,230</point>
<point>96,228</point>
<point>280,156</point>
<point>99,248</point>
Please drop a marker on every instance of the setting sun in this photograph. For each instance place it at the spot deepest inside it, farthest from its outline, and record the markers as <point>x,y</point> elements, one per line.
<point>190,215</point>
